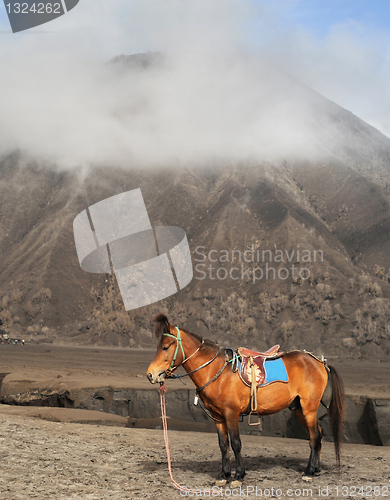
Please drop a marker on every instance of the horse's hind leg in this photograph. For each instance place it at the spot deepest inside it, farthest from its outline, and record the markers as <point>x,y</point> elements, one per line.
<point>223,439</point>
<point>309,420</point>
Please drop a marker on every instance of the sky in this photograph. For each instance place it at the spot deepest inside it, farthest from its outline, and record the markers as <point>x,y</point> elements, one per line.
<point>319,17</point>
<point>339,47</point>
<point>224,92</point>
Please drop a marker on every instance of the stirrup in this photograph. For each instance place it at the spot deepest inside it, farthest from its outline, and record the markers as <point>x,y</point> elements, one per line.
<point>254,423</point>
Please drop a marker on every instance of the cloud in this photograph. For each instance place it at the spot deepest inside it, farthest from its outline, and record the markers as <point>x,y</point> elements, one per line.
<point>349,65</point>
<point>219,94</point>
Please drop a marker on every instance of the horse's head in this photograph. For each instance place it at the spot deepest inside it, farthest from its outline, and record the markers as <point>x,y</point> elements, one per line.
<point>169,353</point>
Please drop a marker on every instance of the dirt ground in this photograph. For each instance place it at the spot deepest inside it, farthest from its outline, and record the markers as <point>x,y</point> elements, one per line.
<point>45,454</point>
<point>56,460</point>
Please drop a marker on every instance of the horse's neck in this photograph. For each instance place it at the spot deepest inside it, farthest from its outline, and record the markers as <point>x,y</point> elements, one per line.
<point>205,354</point>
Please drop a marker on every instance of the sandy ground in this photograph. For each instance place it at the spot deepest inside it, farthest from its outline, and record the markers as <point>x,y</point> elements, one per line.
<point>56,460</point>
<point>46,454</point>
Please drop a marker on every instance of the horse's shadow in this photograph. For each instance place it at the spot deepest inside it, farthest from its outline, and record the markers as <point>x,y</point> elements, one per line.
<point>254,464</point>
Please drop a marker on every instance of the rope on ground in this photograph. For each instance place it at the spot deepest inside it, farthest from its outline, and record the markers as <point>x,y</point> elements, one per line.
<point>165,427</point>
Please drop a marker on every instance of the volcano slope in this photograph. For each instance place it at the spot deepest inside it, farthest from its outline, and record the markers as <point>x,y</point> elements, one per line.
<point>248,222</point>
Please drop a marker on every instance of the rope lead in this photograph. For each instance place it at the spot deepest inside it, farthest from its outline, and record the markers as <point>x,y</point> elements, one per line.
<point>163,390</point>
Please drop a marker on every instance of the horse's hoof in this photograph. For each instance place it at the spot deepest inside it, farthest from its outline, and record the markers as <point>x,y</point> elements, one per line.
<point>307,478</point>
<point>220,482</point>
<point>235,484</point>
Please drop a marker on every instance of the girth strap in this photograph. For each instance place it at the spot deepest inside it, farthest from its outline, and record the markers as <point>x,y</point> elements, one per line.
<point>253,395</point>
<point>253,386</point>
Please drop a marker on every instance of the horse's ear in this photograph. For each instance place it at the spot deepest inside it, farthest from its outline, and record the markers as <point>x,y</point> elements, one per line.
<point>161,323</point>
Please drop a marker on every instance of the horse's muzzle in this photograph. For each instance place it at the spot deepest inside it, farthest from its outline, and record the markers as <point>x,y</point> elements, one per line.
<point>153,379</point>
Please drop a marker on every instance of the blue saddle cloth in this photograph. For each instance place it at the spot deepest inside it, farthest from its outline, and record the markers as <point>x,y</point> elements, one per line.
<point>275,371</point>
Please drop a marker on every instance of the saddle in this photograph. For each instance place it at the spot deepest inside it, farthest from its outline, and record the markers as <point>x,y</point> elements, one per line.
<point>253,362</point>
<point>252,373</point>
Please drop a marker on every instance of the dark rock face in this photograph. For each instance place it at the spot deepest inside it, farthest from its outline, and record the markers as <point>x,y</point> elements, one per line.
<point>140,61</point>
<point>377,421</point>
<point>367,420</point>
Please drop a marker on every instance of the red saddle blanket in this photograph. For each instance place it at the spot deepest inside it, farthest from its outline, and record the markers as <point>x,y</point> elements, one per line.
<point>248,357</point>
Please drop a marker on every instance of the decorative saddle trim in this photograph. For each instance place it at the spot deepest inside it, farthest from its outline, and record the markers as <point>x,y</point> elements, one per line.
<point>252,364</point>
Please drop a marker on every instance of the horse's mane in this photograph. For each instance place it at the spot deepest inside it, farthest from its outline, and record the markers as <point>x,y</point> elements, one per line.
<point>162,324</point>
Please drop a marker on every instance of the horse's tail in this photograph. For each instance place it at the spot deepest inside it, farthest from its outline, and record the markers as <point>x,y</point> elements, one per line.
<point>336,410</point>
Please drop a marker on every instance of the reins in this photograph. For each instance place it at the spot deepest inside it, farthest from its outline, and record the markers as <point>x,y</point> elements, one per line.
<point>227,361</point>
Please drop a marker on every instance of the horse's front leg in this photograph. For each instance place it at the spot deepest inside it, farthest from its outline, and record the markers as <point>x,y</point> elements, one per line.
<point>223,439</point>
<point>234,433</point>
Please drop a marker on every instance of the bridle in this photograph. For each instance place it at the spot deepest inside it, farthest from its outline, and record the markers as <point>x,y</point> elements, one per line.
<point>179,343</point>
<point>172,366</point>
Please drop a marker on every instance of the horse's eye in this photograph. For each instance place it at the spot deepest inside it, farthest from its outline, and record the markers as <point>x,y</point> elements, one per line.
<point>166,347</point>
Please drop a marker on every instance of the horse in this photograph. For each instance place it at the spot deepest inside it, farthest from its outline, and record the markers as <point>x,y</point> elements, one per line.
<point>226,397</point>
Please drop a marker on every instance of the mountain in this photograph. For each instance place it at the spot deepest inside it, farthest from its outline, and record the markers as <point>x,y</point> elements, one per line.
<point>327,214</point>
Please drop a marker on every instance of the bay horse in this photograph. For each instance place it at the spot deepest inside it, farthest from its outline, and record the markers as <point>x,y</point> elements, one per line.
<point>226,397</point>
